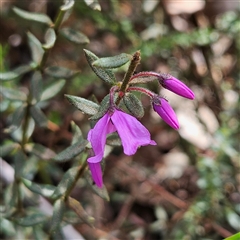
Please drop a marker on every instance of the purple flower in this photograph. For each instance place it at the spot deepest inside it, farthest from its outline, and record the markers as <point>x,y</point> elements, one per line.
<point>173,84</point>
<point>165,111</point>
<point>132,133</point>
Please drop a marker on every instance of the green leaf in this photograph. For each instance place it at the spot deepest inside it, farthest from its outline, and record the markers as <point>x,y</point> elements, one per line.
<point>7,228</point>
<point>44,190</point>
<point>133,105</point>
<point>15,73</point>
<point>38,116</point>
<point>50,38</point>
<point>5,76</point>
<point>78,209</point>
<point>36,48</point>
<point>38,233</point>
<point>7,148</point>
<point>106,75</point>
<point>234,220</point>
<point>104,106</point>
<point>13,94</point>
<point>82,104</point>
<point>17,118</point>
<point>36,87</point>
<point>18,134</point>
<point>60,72</point>
<point>19,162</point>
<point>52,89</point>
<point>58,211</point>
<point>11,196</point>
<point>94,4</point>
<point>37,17</point>
<point>234,237</point>
<point>77,133</point>
<point>40,151</point>
<point>68,4</point>
<point>31,220</point>
<point>74,36</point>
<point>66,182</point>
<point>113,62</point>
<point>31,167</point>
<point>71,152</point>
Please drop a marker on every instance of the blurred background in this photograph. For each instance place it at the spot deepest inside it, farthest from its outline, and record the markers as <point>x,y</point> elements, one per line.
<point>186,187</point>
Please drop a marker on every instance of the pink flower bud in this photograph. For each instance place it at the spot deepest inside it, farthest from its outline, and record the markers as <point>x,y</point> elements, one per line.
<point>173,84</point>
<point>165,111</point>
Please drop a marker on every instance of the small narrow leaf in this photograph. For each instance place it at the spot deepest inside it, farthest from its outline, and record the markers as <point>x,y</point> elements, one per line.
<point>50,38</point>
<point>38,116</point>
<point>18,134</point>
<point>15,73</point>
<point>31,220</point>
<point>94,4</point>
<point>13,94</point>
<point>37,17</point>
<point>78,209</point>
<point>234,237</point>
<point>71,152</point>
<point>11,196</point>
<point>52,89</point>
<point>58,211</point>
<point>77,133</point>
<point>45,190</point>
<point>68,4</point>
<point>7,148</point>
<point>113,62</point>
<point>19,162</point>
<point>60,72</point>
<point>38,233</point>
<point>82,104</point>
<point>133,105</point>
<point>8,75</point>
<point>104,106</point>
<point>17,118</point>
<point>74,36</point>
<point>106,75</point>
<point>36,48</point>
<point>36,87</point>
<point>66,182</point>
<point>40,151</point>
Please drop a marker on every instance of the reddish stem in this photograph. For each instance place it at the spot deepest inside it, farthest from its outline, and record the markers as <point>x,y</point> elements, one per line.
<point>142,90</point>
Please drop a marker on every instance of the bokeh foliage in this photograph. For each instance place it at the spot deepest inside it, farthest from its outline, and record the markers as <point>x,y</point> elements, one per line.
<point>45,187</point>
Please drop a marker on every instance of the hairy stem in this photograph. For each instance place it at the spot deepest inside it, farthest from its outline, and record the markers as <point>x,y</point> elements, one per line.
<point>79,174</point>
<point>56,26</point>
<point>132,67</point>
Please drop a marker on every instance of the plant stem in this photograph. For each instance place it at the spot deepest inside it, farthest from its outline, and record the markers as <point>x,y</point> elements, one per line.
<point>56,26</point>
<point>79,174</point>
<point>132,67</point>
<point>142,90</point>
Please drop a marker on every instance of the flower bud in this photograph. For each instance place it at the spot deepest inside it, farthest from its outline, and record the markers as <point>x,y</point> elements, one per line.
<point>173,84</point>
<point>165,111</point>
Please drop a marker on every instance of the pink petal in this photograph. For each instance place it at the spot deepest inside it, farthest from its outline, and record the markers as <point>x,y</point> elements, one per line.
<point>96,172</point>
<point>97,137</point>
<point>132,133</point>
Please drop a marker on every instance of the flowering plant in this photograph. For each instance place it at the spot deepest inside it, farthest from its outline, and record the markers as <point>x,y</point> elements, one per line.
<point>111,113</point>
